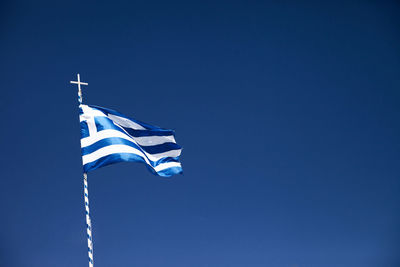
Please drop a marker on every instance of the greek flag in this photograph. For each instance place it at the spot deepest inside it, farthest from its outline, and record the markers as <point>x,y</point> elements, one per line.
<point>108,137</point>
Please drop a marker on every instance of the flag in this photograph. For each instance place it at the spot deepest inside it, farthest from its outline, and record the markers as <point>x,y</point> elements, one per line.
<point>109,137</point>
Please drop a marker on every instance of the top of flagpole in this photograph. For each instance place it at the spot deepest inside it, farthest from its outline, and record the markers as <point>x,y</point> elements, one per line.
<point>79,83</point>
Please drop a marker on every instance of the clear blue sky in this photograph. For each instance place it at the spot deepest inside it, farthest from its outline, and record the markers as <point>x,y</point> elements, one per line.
<point>288,113</point>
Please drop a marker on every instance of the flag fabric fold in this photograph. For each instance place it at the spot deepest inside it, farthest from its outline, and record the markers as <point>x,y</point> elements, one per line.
<point>108,137</point>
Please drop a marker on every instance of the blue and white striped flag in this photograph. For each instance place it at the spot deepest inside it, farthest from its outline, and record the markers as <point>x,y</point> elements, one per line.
<point>108,137</point>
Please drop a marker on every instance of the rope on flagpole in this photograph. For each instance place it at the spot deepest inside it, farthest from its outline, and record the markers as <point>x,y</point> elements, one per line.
<point>86,189</point>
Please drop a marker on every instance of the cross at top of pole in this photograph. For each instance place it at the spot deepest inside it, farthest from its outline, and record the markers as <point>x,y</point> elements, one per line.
<point>79,83</point>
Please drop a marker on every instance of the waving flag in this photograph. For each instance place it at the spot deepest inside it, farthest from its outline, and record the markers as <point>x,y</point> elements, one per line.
<point>108,137</point>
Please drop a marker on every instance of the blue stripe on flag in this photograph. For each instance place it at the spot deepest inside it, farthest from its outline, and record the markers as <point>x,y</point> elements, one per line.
<point>140,133</point>
<point>104,123</point>
<point>84,129</point>
<point>161,148</point>
<point>121,157</point>
<point>170,171</point>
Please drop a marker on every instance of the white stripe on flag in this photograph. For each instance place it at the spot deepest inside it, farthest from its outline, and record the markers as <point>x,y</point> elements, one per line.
<point>154,140</point>
<point>125,122</point>
<point>90,140</point>
<point>143,141</point>
<point>166,166</point>
<point>115,149</point>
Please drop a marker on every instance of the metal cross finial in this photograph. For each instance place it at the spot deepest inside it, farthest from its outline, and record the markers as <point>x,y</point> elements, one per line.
<point>79,83</point>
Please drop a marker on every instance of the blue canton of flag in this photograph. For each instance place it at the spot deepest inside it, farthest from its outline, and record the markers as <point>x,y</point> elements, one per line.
<point>108,137</point>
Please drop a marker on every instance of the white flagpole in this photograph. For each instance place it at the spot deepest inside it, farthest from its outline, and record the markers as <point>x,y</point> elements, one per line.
<point>86,189</point>
<point>88,221</point>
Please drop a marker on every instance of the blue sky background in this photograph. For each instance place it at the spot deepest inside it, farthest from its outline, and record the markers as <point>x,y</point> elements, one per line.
<point>288,113</point>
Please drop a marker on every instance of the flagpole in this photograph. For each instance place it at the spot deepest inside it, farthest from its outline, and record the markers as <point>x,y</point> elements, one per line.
<point>88,221</point>
<point>86,189</point>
